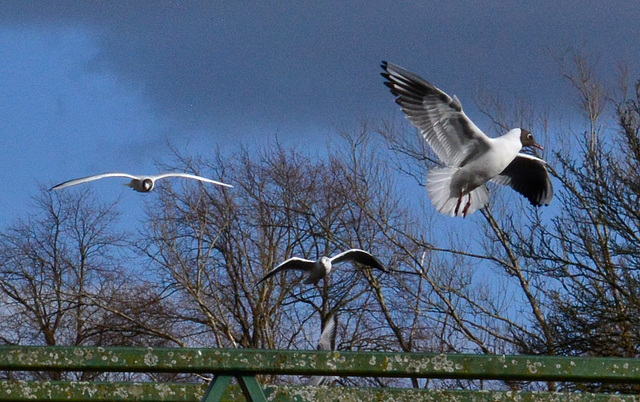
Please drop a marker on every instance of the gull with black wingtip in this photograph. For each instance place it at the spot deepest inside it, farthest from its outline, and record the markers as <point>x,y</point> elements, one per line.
<point>320,268</point>
<point>471,158</point>
<point>142,184</point>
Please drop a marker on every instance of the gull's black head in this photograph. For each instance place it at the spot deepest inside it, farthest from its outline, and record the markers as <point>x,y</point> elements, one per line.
<point>147,185</point>
<point>527,140</point>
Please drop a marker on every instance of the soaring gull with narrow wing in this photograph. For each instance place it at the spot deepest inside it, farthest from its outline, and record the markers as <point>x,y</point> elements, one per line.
<point>142,184</point>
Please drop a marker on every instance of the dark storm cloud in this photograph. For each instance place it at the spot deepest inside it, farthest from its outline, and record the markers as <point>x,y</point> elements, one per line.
<point>297,64</point>
<point>203,64</point>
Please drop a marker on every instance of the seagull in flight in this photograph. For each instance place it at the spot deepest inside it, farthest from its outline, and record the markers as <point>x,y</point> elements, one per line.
<point>142,184</point>
<point>320,268</point>
<point>327,342</point>
<point>471,158</point>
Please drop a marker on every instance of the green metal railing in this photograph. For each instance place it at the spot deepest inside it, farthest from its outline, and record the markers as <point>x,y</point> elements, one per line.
<point>245,364</point>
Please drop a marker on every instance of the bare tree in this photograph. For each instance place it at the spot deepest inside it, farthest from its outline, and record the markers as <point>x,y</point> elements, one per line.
<point>591,249</point>
<point>53,265</point>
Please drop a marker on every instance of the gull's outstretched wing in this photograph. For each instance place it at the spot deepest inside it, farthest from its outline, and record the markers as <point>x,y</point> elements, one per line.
<point>81,180</point>
<point>295,263</point>
<point>528,175</point>
<point>359,256</point>
<point>446,128</point>
<point>189,176</point>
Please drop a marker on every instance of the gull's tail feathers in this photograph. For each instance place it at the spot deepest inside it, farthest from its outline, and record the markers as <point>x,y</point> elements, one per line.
<point>439,188</point>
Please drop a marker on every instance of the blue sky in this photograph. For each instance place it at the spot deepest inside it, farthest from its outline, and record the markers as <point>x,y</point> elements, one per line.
<point>91,87</point>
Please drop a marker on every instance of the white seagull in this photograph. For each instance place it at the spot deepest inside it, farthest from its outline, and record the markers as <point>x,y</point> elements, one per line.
<point>327,342</point>
<point>322,267</point>
<point>470,157</point>
<point>142,184</point>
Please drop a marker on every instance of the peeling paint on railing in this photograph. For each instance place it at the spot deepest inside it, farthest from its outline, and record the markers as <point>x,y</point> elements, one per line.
<point>258,361</point>
<point>84,391</point>
<point>250,362</point>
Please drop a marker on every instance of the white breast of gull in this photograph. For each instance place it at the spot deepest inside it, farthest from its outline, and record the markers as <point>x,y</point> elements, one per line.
<point>471,158</point>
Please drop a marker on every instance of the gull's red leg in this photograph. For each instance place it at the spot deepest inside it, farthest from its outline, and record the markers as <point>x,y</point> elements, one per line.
<point>455,212</point>
<point>466,207</point>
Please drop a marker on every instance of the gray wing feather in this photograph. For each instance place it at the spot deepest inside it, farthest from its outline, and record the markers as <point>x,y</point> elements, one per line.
<point>328,336</point>
<point>189,176</point>
<point>359,256</point>
<point>528,175</point>
<point>327,342</point>
<point>81,180</point>
<point>440,118</point>
<point>295,263</point>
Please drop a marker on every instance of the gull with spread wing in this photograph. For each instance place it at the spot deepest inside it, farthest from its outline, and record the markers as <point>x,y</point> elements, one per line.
<point>320,268</point>
<point>471,158</point>
<point>142,184</point>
